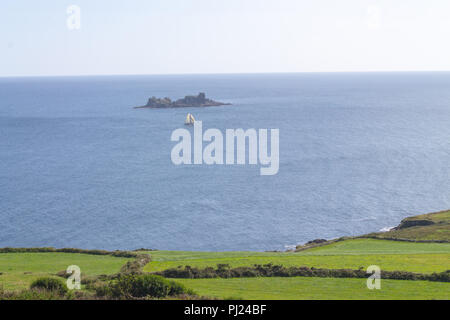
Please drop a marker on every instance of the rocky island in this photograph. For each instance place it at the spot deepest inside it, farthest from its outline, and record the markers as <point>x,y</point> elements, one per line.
<point>188,101</point>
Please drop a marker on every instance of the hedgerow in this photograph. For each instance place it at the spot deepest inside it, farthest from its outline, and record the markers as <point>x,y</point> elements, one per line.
<point>117,253</point>
<point>270,270</point>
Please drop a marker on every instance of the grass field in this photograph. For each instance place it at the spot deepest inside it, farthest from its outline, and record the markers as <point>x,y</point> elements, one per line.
<point>353,254</point>
<point>316,288</point>
<point>432,232</point>
<point>375,246</point>
<point>20,269</point>
<point>440,230</point>
<point>437,217</point>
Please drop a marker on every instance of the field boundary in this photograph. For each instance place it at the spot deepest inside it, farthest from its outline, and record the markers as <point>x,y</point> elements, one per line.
<point>373,236</point>
<point>117,253</point>
<point>270,270</point>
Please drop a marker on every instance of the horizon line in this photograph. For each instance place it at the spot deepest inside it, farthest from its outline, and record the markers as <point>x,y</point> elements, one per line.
<point>218,73</point>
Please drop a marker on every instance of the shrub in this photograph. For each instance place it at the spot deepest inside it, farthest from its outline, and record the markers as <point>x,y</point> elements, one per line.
<point>117,253</point>
<point>49,284</point>
<point>270,270</point>
<point>101,289</point>
<point>178,289</point>
<point>136,265</point>
<point>141,286</point>
<point>30,295</point>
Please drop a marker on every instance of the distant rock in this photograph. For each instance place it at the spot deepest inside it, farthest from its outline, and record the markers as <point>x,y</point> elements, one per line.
<point>316,241</point>
<point>408,223</point>
<point>199,100</point>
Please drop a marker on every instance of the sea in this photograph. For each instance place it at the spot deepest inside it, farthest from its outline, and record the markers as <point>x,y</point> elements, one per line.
<point>80,167</point>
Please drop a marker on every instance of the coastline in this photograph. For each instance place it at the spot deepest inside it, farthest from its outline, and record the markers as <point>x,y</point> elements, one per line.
<point>407,268</point>
<point>423,222</point>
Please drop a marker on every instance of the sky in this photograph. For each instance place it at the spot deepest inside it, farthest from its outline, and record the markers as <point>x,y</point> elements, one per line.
<point>42,38</point>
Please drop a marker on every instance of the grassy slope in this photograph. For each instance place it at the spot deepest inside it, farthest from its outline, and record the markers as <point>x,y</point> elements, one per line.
<point>440,230</point>
<point>389,255</point>
<point>437,217</point>
<point>17,266</point>
<point>375,246</point>
<point>316,288</point>
<point>354,253</point>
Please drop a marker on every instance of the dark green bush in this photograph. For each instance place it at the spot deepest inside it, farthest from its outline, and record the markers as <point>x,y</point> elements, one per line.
<point>141,286</point>
<point>176,289</point>
<point>49,284</point>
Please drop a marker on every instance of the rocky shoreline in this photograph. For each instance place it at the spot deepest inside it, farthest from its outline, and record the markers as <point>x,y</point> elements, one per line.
<point>411,229</point>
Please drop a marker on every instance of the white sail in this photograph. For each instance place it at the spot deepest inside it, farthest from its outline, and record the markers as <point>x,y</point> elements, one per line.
<point>189,119</point>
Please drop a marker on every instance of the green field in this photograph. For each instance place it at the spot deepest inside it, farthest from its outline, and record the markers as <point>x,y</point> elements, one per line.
<point>375,246</point>
<point>297,288</point>
<point>438,231</point>
<point>437,217</point>
<point>20,269</point>
<point>350,254</point>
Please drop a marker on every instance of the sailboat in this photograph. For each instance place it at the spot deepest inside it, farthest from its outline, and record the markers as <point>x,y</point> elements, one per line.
<point>189,120</point>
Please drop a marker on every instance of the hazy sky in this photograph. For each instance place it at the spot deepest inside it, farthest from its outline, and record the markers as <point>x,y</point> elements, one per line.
<point>223,36</point>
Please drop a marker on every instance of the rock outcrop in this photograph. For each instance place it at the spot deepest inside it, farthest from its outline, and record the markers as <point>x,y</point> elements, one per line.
<point>407,223</point>
<point>199,100</point>
<point>316,241</point>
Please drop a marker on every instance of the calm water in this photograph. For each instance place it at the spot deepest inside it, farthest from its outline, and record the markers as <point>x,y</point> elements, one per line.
<point>80,168</point>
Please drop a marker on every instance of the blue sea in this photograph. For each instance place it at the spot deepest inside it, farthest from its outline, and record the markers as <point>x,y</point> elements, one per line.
<point>79,167</point>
